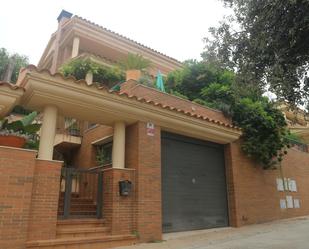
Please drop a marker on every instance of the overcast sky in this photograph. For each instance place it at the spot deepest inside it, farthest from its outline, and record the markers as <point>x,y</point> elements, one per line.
<point>173,27</point>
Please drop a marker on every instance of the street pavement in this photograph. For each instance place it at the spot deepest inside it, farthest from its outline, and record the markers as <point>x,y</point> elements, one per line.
<point>282,234</point>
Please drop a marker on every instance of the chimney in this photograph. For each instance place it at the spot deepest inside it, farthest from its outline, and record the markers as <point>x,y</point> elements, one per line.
<point>133,74</point>
<point>64,15</point>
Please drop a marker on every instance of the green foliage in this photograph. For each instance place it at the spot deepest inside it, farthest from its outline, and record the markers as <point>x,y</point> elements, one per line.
<point>134,61</point>
<point>104,154</point>
<point>294,137</point>
<point>195,76</point>
<point>266,42</point>
<point>19,62</point>
<point>104,75</point>
<point>23,126</point>
<point>263,126</point>
<point>264,130</point>
<point>20,110</point>
<point>146,80</point>
<point>32,144</point>
<point>178,94</point>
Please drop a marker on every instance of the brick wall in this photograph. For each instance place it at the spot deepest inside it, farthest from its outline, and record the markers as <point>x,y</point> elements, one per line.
<point>85,157</point>
<point>29,190</point>
<point>118,210</point>
<point>253,195</point>
<point>86,154</point>
<point>167,99</point>
<point>16,179</point>
<point>143,153</point>
<point>44,201</point>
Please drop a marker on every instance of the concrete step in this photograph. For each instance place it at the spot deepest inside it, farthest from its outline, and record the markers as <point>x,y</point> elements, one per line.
<point>95,242</point>
<point>72,232</point>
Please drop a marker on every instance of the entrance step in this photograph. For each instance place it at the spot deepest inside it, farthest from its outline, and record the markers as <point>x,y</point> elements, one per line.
<point>74,228</point>
<point>94,242</point>
<point>79,206</point>
<point>82,232</point>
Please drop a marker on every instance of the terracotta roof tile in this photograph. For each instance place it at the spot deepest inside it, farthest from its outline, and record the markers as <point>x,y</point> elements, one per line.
<point>131,96</point>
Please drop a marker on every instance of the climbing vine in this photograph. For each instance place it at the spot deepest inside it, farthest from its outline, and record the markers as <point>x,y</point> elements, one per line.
<point>264,130</point>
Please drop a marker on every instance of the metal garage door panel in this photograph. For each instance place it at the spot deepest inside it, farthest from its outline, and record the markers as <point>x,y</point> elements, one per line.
<point>193,184</point>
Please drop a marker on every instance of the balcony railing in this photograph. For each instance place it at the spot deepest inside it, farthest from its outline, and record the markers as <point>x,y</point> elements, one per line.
<point>70,126</point>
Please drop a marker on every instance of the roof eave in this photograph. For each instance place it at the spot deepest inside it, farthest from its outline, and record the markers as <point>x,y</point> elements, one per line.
<point>77,99</point>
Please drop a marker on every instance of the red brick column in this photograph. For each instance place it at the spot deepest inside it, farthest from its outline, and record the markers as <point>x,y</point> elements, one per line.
<point>118,210</point>
<point>44,201</point>
<point>16,178</point>
<point>230,182</point>
<point>143,153</point>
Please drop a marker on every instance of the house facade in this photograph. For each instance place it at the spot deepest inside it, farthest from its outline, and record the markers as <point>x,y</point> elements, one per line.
<point>117,167</point>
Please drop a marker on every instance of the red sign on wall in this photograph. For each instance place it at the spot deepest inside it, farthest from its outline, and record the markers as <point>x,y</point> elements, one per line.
<point>150,129</point>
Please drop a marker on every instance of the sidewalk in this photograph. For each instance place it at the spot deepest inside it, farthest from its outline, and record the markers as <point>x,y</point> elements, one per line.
<point>282,234</point>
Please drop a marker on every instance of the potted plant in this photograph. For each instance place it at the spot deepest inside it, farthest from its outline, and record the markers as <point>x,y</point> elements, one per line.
<point>135,66</point>
<point>16,133</point>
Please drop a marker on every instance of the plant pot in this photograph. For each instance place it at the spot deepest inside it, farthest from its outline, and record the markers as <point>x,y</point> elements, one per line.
<point>133,74</point>
<point>12,141</point>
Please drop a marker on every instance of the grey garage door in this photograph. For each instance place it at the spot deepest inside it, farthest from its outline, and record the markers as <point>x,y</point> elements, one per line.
<point>193,184</point>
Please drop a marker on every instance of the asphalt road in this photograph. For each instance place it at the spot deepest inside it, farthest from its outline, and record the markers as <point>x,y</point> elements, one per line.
<point>283,234</point>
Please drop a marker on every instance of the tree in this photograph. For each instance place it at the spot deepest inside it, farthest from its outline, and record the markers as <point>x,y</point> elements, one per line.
<point>18,61</point>
<point>263,126</point>
<point>266,42</point>
<point>195,76</point>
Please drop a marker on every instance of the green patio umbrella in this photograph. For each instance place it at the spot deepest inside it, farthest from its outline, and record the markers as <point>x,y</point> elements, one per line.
<point>159,83</point>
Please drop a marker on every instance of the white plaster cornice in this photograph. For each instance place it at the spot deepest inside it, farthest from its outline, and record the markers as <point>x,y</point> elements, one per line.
<point>9,97</point>
<point>84,102</point>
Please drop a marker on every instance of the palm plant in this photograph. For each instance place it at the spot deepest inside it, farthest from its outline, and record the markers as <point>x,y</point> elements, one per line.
<point>135,62</point>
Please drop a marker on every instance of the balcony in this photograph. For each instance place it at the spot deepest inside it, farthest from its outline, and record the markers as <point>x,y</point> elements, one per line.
<point>69,134</point>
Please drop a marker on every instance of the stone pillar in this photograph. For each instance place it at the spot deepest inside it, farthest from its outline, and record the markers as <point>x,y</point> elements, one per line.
<point>48,132</point>
<point>119,145</point>
<point>89,78</point>
<point>75,47</point>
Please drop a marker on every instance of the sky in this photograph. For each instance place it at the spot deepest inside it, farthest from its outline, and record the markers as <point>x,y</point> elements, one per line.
<point>173,27</point>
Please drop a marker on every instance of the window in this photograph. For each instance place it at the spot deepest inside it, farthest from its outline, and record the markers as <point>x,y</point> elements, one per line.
<point>104,153</point>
